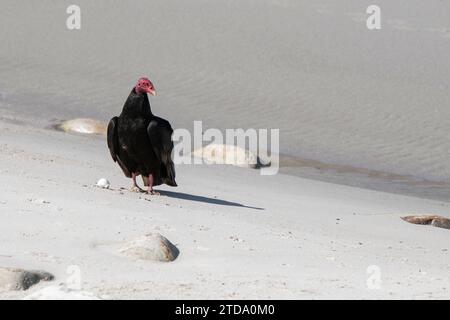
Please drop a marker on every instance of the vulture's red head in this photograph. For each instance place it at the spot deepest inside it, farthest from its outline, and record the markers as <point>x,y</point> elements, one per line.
<point>145,86</point>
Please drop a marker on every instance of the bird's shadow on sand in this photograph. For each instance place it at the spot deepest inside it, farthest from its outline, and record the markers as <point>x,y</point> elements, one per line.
<point>191,197</point>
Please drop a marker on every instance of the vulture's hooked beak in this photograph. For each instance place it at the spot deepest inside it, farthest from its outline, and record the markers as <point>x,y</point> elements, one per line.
<point>151,91</point>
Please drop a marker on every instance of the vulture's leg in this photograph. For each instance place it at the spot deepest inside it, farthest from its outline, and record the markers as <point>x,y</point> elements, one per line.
<point>150,186</point>
<point>135,187</point>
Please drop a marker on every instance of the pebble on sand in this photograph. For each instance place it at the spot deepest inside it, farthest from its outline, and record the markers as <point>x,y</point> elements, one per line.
<point>103,183</point>
<point>19,279</point>
<point>152,246</point>
<point>434,220</point>
<point>83,125</point>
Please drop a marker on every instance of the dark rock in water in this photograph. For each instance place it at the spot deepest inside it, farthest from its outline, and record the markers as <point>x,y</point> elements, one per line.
<point>19,279</point>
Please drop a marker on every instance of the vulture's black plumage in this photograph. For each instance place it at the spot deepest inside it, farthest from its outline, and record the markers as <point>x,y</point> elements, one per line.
<point>140,142</point>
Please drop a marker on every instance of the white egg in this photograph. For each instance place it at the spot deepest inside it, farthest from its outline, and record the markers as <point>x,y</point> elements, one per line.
<point>103,183</point>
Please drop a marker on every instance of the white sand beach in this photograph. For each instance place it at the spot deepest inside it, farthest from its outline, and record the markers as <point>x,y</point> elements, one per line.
<point>364,134</point>
<point>240,235</point>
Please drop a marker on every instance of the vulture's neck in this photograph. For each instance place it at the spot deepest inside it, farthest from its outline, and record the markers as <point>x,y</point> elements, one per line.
<point>137,105</point>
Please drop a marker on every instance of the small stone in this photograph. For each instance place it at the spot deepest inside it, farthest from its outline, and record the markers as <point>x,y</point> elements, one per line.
<point>152,246</point>
<point>103,183</point>
<point>19,279</point>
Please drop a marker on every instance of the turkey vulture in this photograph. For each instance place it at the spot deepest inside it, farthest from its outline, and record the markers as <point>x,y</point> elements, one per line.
<point>140,142</point>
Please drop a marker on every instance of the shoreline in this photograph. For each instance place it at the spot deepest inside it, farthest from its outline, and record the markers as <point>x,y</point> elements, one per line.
<point>347,175</point>
<point>338,92</point>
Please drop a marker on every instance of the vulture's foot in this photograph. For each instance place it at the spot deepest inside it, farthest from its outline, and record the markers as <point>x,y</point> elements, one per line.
<point>150,186</point>
<point>137,189</point>
<point>153,192</point>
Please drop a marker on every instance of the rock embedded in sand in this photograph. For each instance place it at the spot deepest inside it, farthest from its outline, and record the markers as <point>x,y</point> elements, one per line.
<point>434,220</point>
<point>19,279</point>
<point>441,222</point>
<point>229,154</point>
<point>83,125</point>
<point>152,246</point>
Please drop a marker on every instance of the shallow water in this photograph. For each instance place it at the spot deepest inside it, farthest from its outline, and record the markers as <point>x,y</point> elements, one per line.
<point>339,93</point>
<point>366,178</point>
